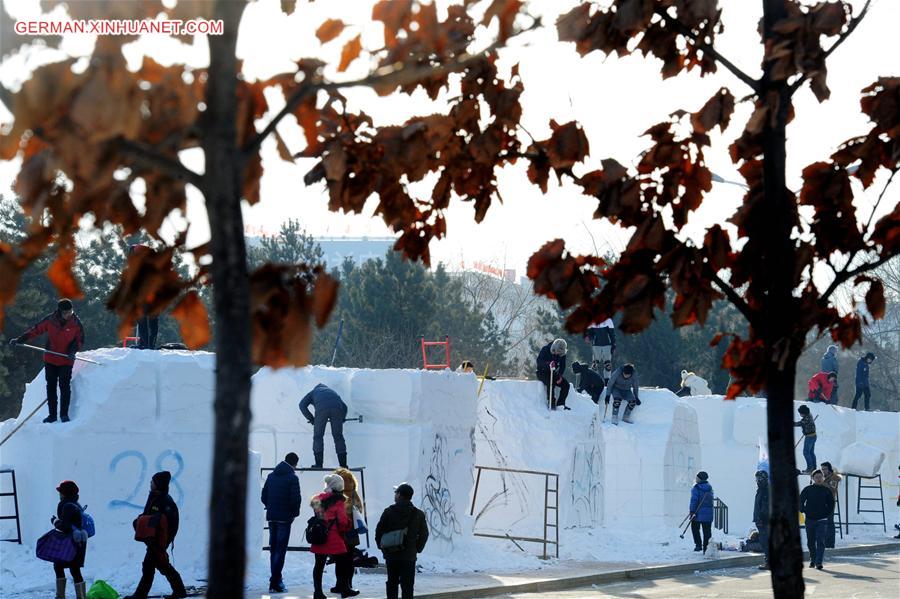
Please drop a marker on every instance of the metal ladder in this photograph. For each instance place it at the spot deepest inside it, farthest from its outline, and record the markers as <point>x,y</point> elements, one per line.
<point>548,508</point>
<point>15,516</point>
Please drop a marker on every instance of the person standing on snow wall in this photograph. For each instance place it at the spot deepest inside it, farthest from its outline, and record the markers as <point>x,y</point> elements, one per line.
<point>552,360</point>
<point>147,325</point>
<point>602,337</point>
<point>862,380</point>
<point>68,521</point>
<point>701,509</point>
<point>65,335</point>
<point>623,386</point>
<point>281,496</point>
<point>330,408</point>
<point>817,502</point>
<point>761,514</point>
<point>808,427</point>
<point>162,514</point>
<point>830,364</point>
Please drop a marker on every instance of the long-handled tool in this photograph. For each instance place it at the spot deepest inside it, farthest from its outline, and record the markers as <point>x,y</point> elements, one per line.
<point>550,398</point>
<point>358,419</point>
<point>54,353</point>
<point>690,517</point>
<point>21,424</point>
<point>797,444</point>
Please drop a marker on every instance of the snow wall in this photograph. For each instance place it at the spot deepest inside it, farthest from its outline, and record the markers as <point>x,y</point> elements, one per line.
<point>144,411</point>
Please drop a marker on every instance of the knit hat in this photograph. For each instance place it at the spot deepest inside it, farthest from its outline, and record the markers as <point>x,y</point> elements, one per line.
<point>628,369</point>
<point>762,475</point>
<point>870,356</point>
<point>559,347</point>
<point>803,410</point>
<point>334,483</point>
<point>832,349</point>
<point>578,367</point>
<point>68,488</point>
<point>64,305</point>
<point>161,480</point>
<point>702,475</point>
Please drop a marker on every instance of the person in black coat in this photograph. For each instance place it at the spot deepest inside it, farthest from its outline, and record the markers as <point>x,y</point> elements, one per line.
<point>401,562</point>
<point>68,521</point>
<point>156,558</point>
<point>552,359</point>
<point>761,513</point>
<point>817,502</point>
<point>862,380</point>
<point>589,381</point>
<point>281,496</point>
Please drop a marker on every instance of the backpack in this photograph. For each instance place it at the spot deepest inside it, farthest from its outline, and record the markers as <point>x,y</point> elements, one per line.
<point>317,530</point>
<point>151,528</point>
<point>87,522</point>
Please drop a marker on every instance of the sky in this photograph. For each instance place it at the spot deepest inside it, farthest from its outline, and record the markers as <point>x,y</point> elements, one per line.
<point>614,99</point>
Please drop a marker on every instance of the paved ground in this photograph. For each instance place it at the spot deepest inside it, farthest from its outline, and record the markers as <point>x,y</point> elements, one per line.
<point>850,577</point>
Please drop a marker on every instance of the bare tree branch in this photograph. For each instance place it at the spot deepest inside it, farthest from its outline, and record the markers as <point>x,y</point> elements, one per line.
<point>732,296</point>
<point>388,75</point>
<point>708,49</point>
<point>149,157</point>
<point>845,275</point>
<point>854,23</point>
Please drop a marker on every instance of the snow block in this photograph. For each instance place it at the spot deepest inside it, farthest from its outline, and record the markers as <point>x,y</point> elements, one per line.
<point>861,459</point>
<point>749,420</point>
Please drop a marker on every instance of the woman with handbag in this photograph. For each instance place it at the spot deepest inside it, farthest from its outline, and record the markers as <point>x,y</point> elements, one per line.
<point>354,508</point>
<point>68,521</point>
<point>330,507</point>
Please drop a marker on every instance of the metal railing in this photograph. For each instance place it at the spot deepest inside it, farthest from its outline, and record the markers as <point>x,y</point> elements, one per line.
<point>720,515</point>
<point>548,509</point>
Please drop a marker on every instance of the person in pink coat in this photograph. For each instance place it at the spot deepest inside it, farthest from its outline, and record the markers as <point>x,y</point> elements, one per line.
<point>329,505</point>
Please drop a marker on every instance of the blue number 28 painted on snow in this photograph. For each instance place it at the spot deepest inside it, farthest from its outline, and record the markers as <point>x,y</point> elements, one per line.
<point>128,502</point>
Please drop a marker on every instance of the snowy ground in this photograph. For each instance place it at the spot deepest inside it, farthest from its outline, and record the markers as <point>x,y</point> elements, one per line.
<point>583,551</point>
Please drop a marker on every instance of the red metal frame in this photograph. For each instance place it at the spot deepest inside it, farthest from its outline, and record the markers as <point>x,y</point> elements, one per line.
<point>436,366</point>
<point>127,339</point>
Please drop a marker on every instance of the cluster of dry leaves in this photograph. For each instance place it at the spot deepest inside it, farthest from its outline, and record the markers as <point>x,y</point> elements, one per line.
<point>78,134</point>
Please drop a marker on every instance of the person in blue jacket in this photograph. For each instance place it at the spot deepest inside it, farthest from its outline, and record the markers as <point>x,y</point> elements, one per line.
<point>862,379</point>
<point>281,496</point>
<point>329,408</point>
<point>701,511</point>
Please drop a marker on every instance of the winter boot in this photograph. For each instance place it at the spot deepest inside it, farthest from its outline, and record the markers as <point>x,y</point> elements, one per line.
<point>60,588</point>
<point>80,590</point>
<point>319,456</point>
<point>615,417</point>
<point>64,418</point>
<point>342,460</point>
<point>626,417</point>
<point>50,418</point>
<point>698,548</point>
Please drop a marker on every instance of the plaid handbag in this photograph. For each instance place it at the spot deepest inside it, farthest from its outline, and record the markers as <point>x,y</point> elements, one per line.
<point>56,546</point>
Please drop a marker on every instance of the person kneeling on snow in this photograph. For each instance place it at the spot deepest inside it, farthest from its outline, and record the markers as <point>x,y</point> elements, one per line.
<point>156,527</point>
<point>691,384</point>
<point>551,362</point>
<point>822,386</point>
<point>623,386</point>
<point>701,510</point>
<point>589,381</point>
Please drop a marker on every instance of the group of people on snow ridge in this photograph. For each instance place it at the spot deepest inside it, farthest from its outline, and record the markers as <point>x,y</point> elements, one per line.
<point>823,386</point>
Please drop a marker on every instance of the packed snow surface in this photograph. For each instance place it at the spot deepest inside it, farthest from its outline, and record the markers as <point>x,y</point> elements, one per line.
<point>622,490</point>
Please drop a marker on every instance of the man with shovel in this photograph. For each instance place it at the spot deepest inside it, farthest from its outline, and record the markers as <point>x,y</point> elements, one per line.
<point>65,336</point>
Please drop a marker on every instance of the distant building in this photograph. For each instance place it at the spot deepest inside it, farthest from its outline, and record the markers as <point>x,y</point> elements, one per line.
<point>358,249</point>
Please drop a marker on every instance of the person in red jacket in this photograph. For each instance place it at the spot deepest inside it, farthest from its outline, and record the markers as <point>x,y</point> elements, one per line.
<point>330,506</point>
<point>822,386</point>
<point>65,335</point>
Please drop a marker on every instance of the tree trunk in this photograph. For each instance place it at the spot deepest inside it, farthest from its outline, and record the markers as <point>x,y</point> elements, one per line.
<point>781,343</point>
<point>231,302</point>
